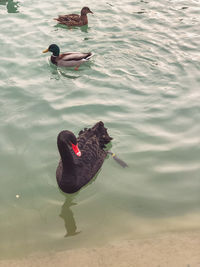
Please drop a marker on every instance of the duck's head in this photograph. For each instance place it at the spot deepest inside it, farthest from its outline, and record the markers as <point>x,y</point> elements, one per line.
<point>85,10</point>
<point>69,139</point>
<point>54,49</point>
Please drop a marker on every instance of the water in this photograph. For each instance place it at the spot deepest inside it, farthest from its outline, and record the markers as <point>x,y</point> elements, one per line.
<point>143,83</point>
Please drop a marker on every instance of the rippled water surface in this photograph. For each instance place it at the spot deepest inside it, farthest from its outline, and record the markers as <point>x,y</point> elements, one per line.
<point>143,83</point>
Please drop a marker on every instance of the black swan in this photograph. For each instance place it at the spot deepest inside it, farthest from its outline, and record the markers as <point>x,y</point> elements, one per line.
<point>81,157</point>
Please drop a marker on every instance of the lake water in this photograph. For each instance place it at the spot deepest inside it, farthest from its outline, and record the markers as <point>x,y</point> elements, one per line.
<point>143,83</point>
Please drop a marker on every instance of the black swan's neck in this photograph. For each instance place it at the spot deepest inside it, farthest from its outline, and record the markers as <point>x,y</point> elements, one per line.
<point>67,159</point>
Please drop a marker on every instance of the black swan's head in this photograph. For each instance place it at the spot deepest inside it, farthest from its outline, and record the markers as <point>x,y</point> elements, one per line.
<point>85,10</point>
<point>67,138</point>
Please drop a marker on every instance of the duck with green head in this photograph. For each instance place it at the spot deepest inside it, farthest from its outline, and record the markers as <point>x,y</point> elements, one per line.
<point>75,19</point>
<point>69,59</point>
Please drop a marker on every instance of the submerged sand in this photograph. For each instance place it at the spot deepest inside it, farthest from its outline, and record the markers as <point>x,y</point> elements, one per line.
<point>166,250</point>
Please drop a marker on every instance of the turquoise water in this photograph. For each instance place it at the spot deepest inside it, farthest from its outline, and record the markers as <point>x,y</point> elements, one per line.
<point>143,83</point>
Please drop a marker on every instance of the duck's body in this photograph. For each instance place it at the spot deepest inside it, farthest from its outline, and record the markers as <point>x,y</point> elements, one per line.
<point>69,59</point>
<point>74,171</point>
<point>75,19</point>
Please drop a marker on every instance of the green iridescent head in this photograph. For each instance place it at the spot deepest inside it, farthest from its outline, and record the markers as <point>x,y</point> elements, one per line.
<point>54,49</point>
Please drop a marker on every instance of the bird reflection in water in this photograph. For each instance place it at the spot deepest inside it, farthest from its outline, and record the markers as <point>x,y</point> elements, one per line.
<point>61,26</point>
<point>12,6</point>
<point>68,217</point>
<point>57,73</point>
<point>84,28</point>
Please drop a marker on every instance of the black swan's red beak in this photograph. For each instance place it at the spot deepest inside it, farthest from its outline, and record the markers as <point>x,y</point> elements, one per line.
<point>76,150</point>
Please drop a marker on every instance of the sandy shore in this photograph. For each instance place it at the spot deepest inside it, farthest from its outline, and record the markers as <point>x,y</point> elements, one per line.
<point>167,250</point>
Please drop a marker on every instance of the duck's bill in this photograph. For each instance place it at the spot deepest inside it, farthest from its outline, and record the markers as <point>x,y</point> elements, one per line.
<point>45,51</point>
<point>76,150</point>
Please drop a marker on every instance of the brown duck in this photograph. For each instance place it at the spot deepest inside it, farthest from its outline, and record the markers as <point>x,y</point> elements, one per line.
<point>75,19</point>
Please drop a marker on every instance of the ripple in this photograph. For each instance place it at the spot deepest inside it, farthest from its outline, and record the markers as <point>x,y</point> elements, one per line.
<point>143,82</point>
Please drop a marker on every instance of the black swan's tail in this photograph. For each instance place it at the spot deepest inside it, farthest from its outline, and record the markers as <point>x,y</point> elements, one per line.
<point>121,162</point>
<point>102,134</point>
<point>103,138</point>
<point>99,131</point>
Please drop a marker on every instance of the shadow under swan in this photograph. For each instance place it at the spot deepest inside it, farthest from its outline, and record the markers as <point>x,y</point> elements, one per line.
<point>67,215</point>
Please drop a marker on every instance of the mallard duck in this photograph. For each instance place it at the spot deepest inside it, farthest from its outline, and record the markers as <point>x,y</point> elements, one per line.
<point>81,157</point>
<point>70,59</point>
<point>75,19</point>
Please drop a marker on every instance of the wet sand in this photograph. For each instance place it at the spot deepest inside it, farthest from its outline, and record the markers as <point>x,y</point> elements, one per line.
<point>166,250</point>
